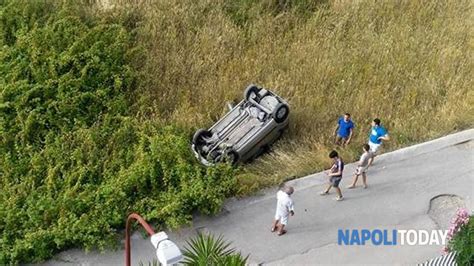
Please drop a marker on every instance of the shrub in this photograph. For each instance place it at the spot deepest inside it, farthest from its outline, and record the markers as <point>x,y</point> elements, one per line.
<point>75,160</point>
<point>461,237</point>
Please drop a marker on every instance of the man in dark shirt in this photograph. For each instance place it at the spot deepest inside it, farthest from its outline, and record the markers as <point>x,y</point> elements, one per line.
<point>335,175</point>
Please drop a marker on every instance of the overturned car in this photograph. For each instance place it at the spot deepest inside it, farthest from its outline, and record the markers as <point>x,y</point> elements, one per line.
<point>246,131</point>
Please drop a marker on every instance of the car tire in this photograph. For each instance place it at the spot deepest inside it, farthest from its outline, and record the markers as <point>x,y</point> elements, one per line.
<point>280,112</point>
<point>198,138</point>
<point>232,157</point>
<point>251,89</point>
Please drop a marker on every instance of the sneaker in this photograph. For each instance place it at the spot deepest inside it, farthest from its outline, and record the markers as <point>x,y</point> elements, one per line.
<point>339,198</point>
<point>324,193</point>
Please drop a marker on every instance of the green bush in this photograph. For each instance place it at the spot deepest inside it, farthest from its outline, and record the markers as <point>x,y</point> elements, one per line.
<point>463,244</point>
<point>75,160</point>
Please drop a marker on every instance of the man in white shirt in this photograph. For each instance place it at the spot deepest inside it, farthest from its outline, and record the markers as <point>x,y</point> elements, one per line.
<point>284,208</point>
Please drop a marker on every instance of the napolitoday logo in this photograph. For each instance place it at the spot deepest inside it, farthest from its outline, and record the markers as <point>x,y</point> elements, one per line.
<point>391,237</point>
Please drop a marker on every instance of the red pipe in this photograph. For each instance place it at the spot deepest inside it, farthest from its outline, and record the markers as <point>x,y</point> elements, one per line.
<point>148,228</point>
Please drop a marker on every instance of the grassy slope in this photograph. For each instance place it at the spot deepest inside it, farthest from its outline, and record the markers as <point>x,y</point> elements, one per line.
<point>407,62</point>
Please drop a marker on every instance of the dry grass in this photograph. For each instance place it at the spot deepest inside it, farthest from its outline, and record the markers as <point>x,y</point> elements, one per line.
<point>409,63</point>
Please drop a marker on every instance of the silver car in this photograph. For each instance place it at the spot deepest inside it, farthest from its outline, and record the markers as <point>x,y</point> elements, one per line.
<point>246,131</point>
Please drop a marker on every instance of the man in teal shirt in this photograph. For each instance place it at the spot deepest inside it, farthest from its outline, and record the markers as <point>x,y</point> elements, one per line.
<point>377,134</point>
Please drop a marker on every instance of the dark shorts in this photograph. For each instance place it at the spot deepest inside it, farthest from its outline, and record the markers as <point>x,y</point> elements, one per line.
<point>339,138</point>
<point>335,180</point>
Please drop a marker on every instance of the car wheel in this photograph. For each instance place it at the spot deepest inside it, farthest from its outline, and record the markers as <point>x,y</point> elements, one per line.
<point>198,138</point>
<point>232,157</point>
<point>251,92</point>
<point>280,112</point>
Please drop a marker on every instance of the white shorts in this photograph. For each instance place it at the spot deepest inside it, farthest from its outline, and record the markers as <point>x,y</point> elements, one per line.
<point>374,147</point>
<point>361,170</point>
<point>282,218</point>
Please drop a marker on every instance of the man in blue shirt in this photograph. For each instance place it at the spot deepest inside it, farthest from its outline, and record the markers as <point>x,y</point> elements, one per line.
<point>377,134</point>
<point>344,129</point>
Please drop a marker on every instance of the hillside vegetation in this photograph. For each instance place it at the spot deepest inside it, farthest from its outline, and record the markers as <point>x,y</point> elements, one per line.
<point>99,99</point>
<point>410,63</point>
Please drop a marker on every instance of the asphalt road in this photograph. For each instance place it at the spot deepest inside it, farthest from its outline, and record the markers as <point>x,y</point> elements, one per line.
<point>401,187</point>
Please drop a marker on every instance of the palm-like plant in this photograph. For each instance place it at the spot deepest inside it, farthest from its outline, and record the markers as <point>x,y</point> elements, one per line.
<point>206,249</point>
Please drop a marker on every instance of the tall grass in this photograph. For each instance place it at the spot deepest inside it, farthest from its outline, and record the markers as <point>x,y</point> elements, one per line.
<point>406,62</point>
